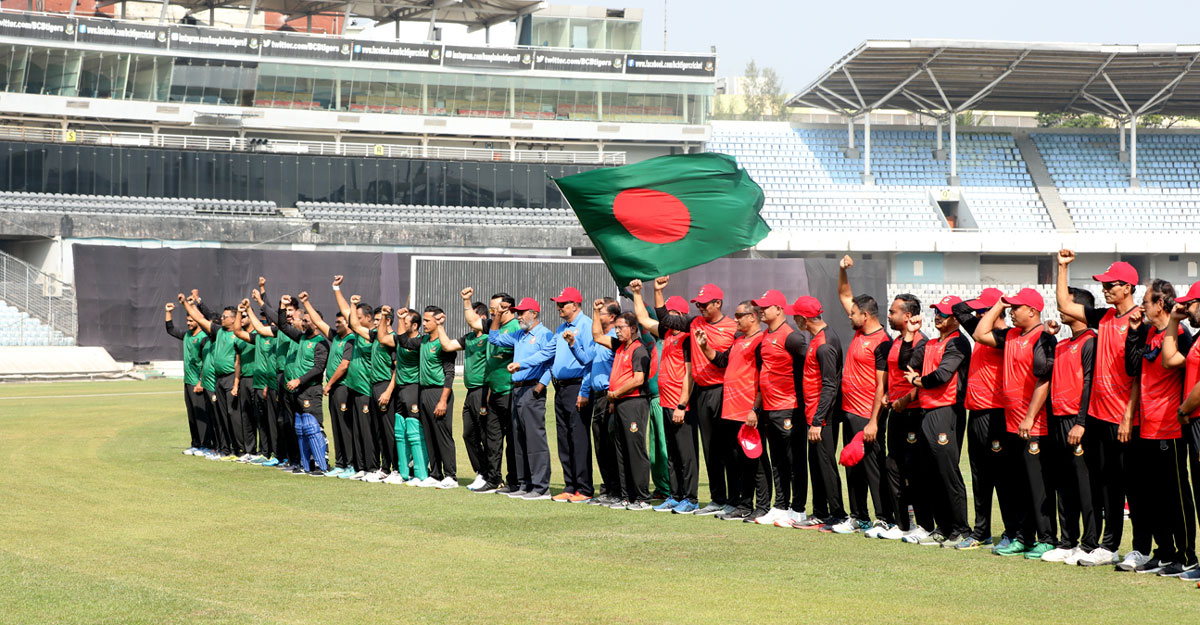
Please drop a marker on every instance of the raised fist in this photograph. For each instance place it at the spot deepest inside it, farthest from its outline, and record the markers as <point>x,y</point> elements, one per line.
<point>355,299</point>
<point>303,296</point>
<point>1179,313</point>
<point>913,324</point>
<point>598,305</point>
<point>1065,257</point>
<point>285,300</point>
<point>847,262</point>
<point>701,338</point>
<point>262,283</point>
<point>1053,326</point>
<point>257,295</point>
<point>467,293</point>
<point>660,282</point>
<point>635,286</point>
<point>440,318</point>
<point>569,337</point>
<point>181,298</point>
<point>337,281</point>
<point>170,306</point>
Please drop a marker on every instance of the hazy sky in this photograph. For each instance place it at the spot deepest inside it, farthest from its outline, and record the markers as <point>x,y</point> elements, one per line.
<point>801,39</point>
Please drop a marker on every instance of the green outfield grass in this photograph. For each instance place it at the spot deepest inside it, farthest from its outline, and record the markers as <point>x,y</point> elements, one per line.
<point>105,521</point>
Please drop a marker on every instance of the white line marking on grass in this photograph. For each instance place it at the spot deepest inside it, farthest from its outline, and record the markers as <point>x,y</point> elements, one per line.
<point>91,395</point>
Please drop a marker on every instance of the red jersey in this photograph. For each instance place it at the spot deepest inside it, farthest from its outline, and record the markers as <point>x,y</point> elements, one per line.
<point>1162,392</point>
<point>1072,374</point>
<point>946,394</point>
<point>741,377</point>
<point>1191,378</point>
<point>672,368</point>
<point>868,354</point>
<point>720,337</point>
<point>780,350</point>
<point>898,386</point>
<point>628,359</point>
<point>1112,384</point>
<point>983,378</point>
<point>1020,378</point>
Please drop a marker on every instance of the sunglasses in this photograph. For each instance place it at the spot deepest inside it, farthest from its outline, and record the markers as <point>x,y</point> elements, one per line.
<point>940,315</point>
<point>740,315</point>
<point>1108,286</point>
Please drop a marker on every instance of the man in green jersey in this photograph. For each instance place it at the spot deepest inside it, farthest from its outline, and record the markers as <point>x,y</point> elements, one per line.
<point>287,447</point>
<point>498,426</point>
<point>473,344</point>
<point>259,390</point>
<point>436,395</point>
<point>243,384</point>
<point>381,377</point>
<point>195,344</point>
<point>409,432</point>
<point>358,404</point>
<point>341,350</point>
<point>224,363</point>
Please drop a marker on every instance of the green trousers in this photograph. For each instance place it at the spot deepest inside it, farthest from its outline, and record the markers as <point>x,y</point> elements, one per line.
<point>656,442</point>
<point>410,448</point>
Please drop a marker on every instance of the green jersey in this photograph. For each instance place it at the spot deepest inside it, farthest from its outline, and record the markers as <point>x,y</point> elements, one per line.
<point>380,368</point>
<point>224,352</point>
<point>337,345</point>
<point>265,375</point>
<point>436,364</point>
<point>194,347</point>
<point>304,358</point>
<point>408,366</point>
<point>475,359</point>
<point>208,378</point>
<point>498,359</point>
<point>247,353</point>
<point>284,347</point>
<point>356,373</point>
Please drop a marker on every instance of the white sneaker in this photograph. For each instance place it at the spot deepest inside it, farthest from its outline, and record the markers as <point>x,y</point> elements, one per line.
<point>849,526</point>
<point>358,476</point>
<point>1076,555</point>
<point>413,482</point>
<point>877,528</point>
<point>393,478</point>
<point>915,535</point>
<point>1132,560</point>
<point>772,515</point>
<point>791,519</point>
<point>1058,554</point>
<point>479,481</point>
<point>429,482</point>
<point>448,483</point>
<point>893,533</point>
<point>1100,557</point>
<point>189,451</point>
<point>375,477</point>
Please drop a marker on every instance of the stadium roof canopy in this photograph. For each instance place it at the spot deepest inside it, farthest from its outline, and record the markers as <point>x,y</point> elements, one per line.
<point>475,14</point>
<point>937,77</point>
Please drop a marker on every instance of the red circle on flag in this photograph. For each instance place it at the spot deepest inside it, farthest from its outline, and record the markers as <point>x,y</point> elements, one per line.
<point>652,216</point>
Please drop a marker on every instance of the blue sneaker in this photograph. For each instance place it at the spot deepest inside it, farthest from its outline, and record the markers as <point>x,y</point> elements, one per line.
<point>667,505</point>
<point>1191,575</point>
<point>347,473</point>
<point>271,463</point>
<point>1005,542</point>
<point>334,472</point>
<point>685,507</point>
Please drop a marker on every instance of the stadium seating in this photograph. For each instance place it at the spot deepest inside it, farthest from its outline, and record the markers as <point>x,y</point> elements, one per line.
<point>18,328</point>
<point>437,215</point>
<point>118,205</point>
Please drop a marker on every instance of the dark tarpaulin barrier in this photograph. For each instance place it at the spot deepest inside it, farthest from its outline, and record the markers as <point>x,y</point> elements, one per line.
<point>121,290</point>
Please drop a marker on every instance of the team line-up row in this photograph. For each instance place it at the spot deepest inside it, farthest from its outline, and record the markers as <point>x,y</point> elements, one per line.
<point>1063,433</point>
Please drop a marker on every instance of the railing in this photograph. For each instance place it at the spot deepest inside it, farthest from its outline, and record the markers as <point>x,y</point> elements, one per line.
<point>39,294</point>
<point>320,148</point>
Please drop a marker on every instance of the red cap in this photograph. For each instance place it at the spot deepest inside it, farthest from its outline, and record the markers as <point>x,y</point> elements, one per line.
<point>528,303</point>
<point>986,300</point>
<point>947,304</point>
<point>853,452</point>
<point>806,306</point>
<point>677,304</point>
<point>1027,297</point>
<point>1118,272</point>
<point>708,293</point>
<point>750,441</point>
<point>771,298</point>
<point>569,294</point>
<point>1192,294</point>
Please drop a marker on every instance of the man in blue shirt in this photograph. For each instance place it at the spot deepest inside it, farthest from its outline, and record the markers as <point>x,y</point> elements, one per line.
<point>533,351</point>
<point>594,391</point>
<point>574,435</point>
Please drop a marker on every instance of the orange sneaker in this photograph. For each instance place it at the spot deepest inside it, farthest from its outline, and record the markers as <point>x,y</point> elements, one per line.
<point>579,498</point>
<point>562,497</point>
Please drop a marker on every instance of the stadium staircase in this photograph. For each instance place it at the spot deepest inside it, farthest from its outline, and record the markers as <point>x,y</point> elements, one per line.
<point>1044,183</point>
<point>36,309</point>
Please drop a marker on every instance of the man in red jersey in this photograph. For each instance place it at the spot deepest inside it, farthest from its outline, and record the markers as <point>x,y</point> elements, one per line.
<point>1070,393</point>
<point>1110,404</point>
<point>708,379</point>
<point>822,382</point>
<point>740,405</point>
<point>985,429</point>
<point>864,388</point>
<point>1160,459</point>
<point>780,374</point>
<point>1028,367</point>
<point>674,388</point>
<point>1188,307</point>
<point>939,371</point>
<point>904,421</point>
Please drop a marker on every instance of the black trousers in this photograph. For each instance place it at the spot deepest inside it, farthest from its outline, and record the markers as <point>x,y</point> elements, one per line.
<point>1106,460</point>
<point>340,411</point>
<point>199,419</point>
<point>904,485</point>
<point>499,438</point>
<point>364,434</point>
<point>754,483</point>
<point>604,434</point>
<point>1168,507</point>
<point>530,448</point>
<point>383,425</point>
<point>285,423</point>
<point>683,453</point>
<point>941,477</point>
<point>229,420</point>
<point>985,448</point>
<point>1068,471</point>
<point>440,440</point>
<point>706,404</point>
<point>826,483</point>
<point>867,475</point>
<point>246,407</point>
<point>789,474</point>
<point>268,430</point>
<point>1191,432</point>
<point>573,429</point>
<point>633,458</point>
<point>1035,487</point>
<point>474,417</point>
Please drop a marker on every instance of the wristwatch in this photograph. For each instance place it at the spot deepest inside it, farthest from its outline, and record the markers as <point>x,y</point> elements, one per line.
<point>682,406</point>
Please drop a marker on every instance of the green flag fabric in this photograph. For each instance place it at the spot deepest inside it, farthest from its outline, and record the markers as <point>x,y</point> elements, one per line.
<point>666,214</point>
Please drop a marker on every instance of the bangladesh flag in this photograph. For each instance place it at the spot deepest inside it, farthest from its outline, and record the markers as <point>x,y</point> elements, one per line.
<point>666,214</point>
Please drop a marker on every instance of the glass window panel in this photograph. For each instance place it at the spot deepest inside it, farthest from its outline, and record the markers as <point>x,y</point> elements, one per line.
<point>19,70</point>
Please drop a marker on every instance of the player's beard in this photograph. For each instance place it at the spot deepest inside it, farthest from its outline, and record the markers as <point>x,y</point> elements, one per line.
<point>526,325</point>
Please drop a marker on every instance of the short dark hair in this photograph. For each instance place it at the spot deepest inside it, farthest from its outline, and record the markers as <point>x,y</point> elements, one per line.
<point>867,305</point>
<point>630,319</point>
<point>295,302</point>
<point>339,314</point>
<point>229,309</point>
<point>1083,297</point>
<point>750,304</point>
<point>505,298</point>
<point>365,308</point>
<point>614,309</point>
<point>909,303</point>
<point>377,310</point>
<point>414,317</point>
<point>480,309</point>
<point>435,310</point>
<point>1162,292</point>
